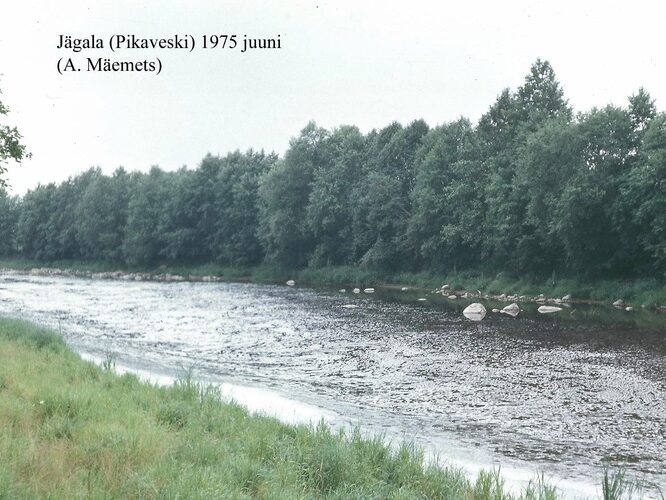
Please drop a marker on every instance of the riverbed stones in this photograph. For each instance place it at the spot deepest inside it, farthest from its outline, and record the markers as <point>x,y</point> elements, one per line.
<point>566,298</point>
<point>475,311</point>
<point>511,310</point>
<point>549,309</point>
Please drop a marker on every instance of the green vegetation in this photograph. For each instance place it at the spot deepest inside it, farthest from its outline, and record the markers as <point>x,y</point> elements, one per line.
<point>533,190</point>
<point>69,429</point>
<point>11,149</point>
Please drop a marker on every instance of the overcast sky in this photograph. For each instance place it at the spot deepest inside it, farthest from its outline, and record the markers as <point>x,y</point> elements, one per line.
<point>364,63</point>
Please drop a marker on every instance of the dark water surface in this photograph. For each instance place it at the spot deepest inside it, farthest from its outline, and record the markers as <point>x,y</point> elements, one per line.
<point>531,393</point>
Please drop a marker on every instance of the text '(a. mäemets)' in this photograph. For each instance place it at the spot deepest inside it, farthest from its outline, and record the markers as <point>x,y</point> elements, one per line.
<point>106,65</point>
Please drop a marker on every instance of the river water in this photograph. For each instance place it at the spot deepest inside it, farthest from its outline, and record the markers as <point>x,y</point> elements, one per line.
<point>532,394</point>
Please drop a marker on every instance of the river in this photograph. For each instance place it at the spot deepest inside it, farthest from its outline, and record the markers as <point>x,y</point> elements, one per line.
<point>530,394</point>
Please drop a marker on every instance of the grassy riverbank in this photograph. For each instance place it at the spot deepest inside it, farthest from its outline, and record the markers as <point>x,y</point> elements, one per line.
<point>648,292</point>
<point>69,429</point>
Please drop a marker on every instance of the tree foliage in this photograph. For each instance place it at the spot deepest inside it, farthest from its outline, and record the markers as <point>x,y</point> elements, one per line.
<point>11,147</point>
<point>531,189</point>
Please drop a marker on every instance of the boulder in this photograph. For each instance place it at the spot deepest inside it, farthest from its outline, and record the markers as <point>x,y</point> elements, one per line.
<point>618,303</point>
<point>475,311</point>
<point>356,290</point>
<point>291,283</point>
<point>452,297</point>
<point>549,309</point>
<point>369,290</point>
<point>628,308</point>
<point>566,298</point>
<point>512,310</point>
<point>496,310</point>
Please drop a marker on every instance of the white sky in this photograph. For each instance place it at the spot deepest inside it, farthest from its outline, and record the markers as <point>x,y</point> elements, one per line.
<point>364,63</point>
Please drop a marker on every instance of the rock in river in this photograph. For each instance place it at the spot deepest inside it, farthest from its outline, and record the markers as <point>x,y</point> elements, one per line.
<point>475,312</point>
<point>512,310</point>
<point>549,309</point>
<point>291,283</point>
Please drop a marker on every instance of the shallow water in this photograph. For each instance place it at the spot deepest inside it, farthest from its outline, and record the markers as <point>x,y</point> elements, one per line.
<point>531,393</point>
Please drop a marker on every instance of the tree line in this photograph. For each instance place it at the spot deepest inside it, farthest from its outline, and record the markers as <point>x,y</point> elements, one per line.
<point>531,189</point>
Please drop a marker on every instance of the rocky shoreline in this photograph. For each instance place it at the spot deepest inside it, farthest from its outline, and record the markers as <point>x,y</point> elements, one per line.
<point>446,291</point>
<point>111,275</point>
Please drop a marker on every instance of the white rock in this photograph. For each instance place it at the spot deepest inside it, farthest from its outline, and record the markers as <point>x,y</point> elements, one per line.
<point>549,309</point>
<point>404,289</point>
<point>628,308</point>
<point>445,287</point>
<point>566,298</point>
<point>619,303</point>
<point>475,311</point>
<point>369,290</point>
<point>496,310</point>
<point>512,310</point>
<point>342,290</point>
<point>452,297</point>
<point>291,283</point>
<point>422,299</point>
<point>356,290</point>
